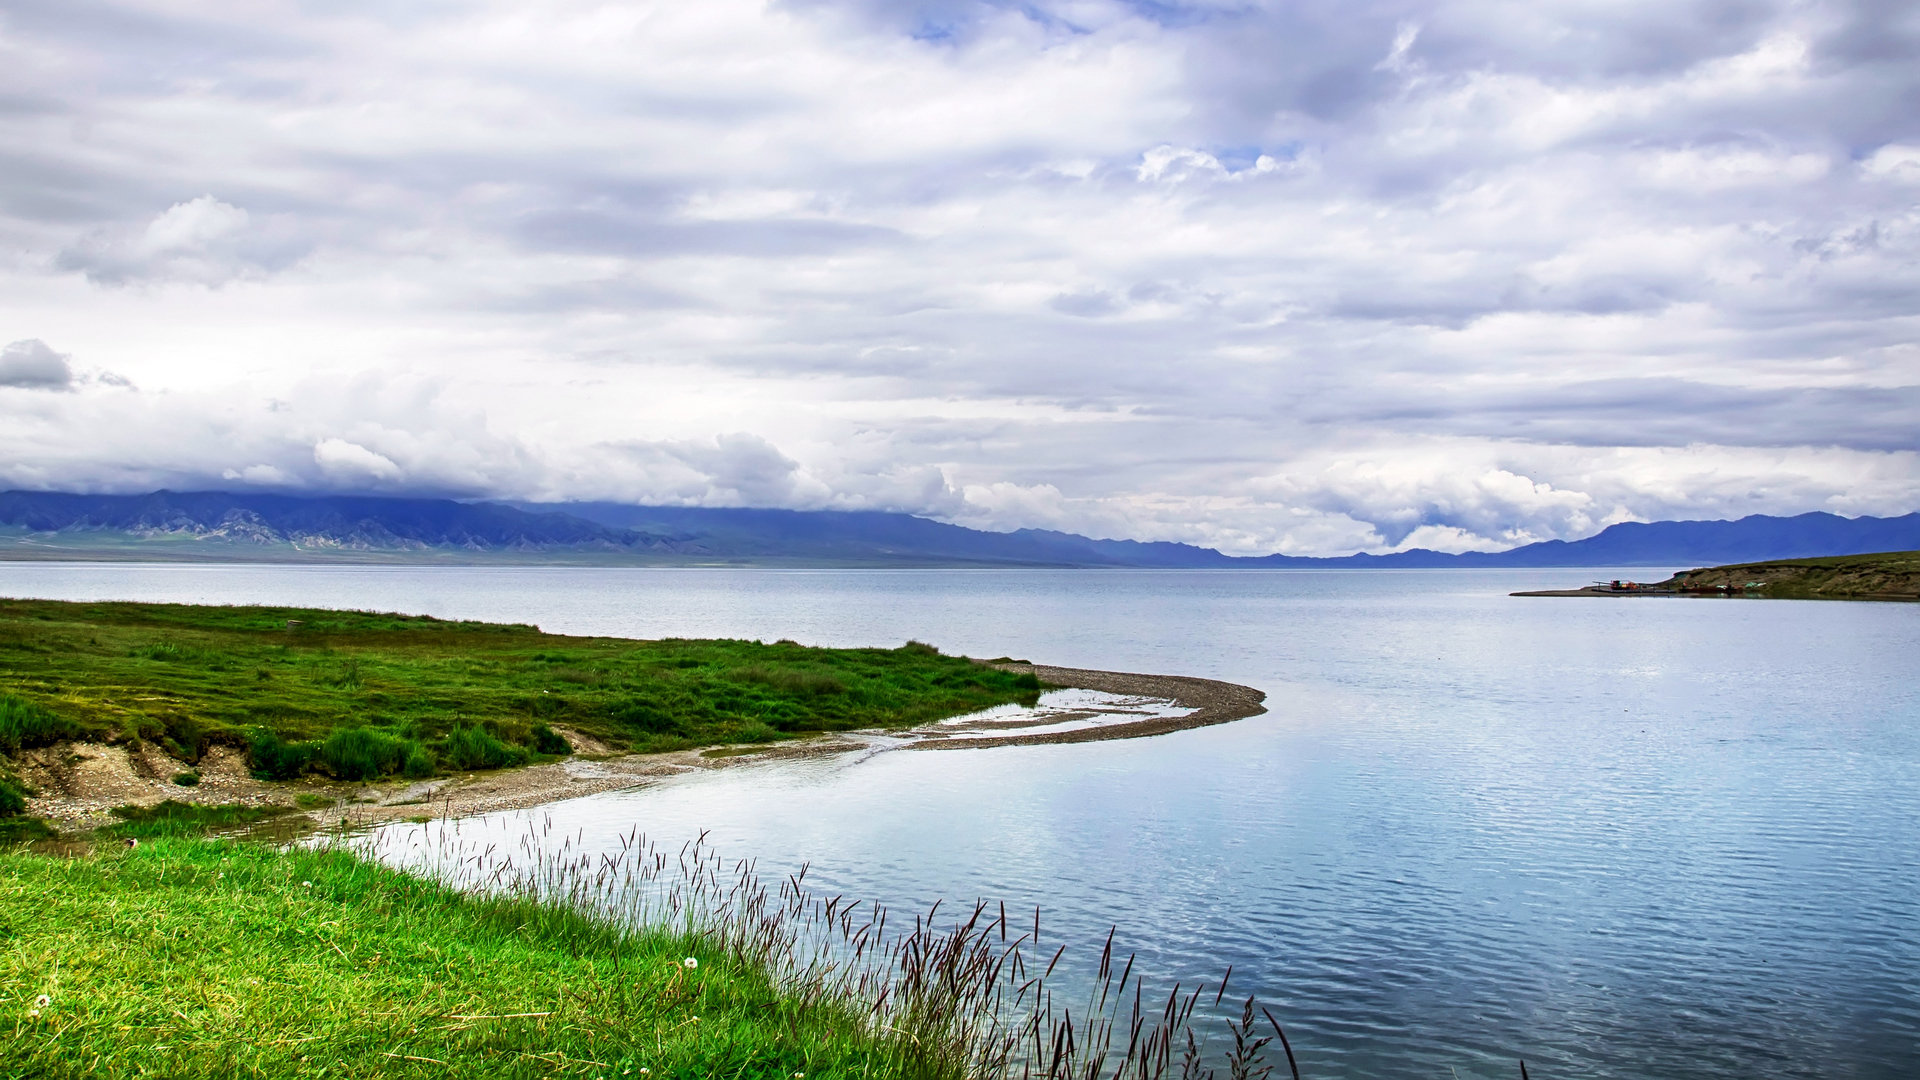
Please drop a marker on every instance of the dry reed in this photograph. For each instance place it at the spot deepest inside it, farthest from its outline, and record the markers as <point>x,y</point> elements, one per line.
<point>963,996</point>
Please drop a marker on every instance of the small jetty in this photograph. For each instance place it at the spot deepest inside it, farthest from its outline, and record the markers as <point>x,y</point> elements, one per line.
<point>1616,587</point>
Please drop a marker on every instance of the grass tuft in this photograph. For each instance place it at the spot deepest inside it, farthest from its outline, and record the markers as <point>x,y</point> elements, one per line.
<point>26,724</point>
<point>357,754</point>
<point>475,748</point>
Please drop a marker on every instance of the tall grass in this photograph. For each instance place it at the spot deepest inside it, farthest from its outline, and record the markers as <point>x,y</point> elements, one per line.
<point>970,994</point>
<point>474,748</point>
<point>360,754</point>
<point>792,680</point>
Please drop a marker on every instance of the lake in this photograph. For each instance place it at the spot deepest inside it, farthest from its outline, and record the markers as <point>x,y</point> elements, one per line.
<point>1619,838</point>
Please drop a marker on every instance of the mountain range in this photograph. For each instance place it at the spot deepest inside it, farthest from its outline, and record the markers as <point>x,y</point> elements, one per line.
<point>242,526</point>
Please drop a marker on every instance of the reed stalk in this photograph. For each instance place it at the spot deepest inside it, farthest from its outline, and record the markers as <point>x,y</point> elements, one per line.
<point>955,996</point>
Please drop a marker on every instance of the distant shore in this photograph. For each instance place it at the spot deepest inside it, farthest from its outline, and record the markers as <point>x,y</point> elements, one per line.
<point>1883,576</point>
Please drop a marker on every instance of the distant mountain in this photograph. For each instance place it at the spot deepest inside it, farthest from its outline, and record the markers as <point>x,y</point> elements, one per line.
<point>316,522</point>
<point>895,536</point>
<point>1706,543</point>
<point>867,535</point>
<point>222,525</point>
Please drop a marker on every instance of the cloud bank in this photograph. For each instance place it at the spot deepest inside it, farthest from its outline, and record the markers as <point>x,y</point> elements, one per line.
<point>1303,277</point>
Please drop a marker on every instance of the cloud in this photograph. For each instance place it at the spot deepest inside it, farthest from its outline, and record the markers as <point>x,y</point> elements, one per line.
<point>32,365</point>
<point>202,241</point>
<point>1895,162</point>
<point>351,463</point>
<point>1306,277</point>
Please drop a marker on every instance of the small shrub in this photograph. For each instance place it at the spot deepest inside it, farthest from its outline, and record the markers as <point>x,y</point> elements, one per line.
<point>1027,680</point>
<point>186,779</point>
<point>756,732</point>
<point>920,648</point>
<point>419,764</point>
<point>274,758</point>
<point>473,748</point>
<point>13,801</point>
<point>164,651</point>
<point>26,724</point>
<point>548,741</point>
<point>361,754</point>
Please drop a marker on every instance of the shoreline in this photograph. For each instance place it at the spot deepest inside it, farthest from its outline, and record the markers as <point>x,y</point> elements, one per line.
<point>93,778</point>
<point>1212,702</point>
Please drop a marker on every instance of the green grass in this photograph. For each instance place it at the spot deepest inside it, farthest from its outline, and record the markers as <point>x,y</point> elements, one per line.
<point>195,958</point>
<point>1887,575</point>
<point>173,818</point>
<point>188,957</point>
<point>426,694</point>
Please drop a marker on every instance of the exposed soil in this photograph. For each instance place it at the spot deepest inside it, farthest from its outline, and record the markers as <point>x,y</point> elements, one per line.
<point>77,784</point>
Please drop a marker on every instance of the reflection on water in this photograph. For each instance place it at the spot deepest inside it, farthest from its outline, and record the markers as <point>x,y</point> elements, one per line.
<point>1634,838</point>
<point>1056,711</point>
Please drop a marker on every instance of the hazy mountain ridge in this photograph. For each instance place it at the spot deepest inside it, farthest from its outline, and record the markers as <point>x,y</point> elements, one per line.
<point>235,525</point>
<point>342,522</point>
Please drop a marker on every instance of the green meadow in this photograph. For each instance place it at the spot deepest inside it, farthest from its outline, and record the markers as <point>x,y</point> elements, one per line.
<point>360,695</point>
<point>197,958</point>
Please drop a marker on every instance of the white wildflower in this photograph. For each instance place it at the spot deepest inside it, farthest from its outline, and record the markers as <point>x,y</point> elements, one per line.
<point>306,884</point>
<point>42,1001</point>
<point>690,963</point>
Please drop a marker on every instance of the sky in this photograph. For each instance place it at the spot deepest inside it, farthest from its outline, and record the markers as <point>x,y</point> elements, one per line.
<point>1307,277</point>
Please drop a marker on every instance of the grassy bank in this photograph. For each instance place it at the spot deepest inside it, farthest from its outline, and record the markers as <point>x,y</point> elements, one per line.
<point>191,958</point>
<point>1890,575</point>
<point>359,695</point>
<point>188,957</point>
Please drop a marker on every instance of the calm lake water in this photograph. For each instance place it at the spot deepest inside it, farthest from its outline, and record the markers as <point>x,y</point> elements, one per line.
<point>1631,838</point>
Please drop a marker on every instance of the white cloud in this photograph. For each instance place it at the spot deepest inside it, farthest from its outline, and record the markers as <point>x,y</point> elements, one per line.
<point>1300,277</point>
<point>260,475</point>
<point>35,366</point>
<point>352,462</point>
<point>1896,162</point>
<point>201,241</point>
<point>193,227</point>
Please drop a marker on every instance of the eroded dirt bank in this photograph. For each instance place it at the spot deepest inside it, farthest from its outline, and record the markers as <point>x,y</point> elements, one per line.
<point>79,783</point>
